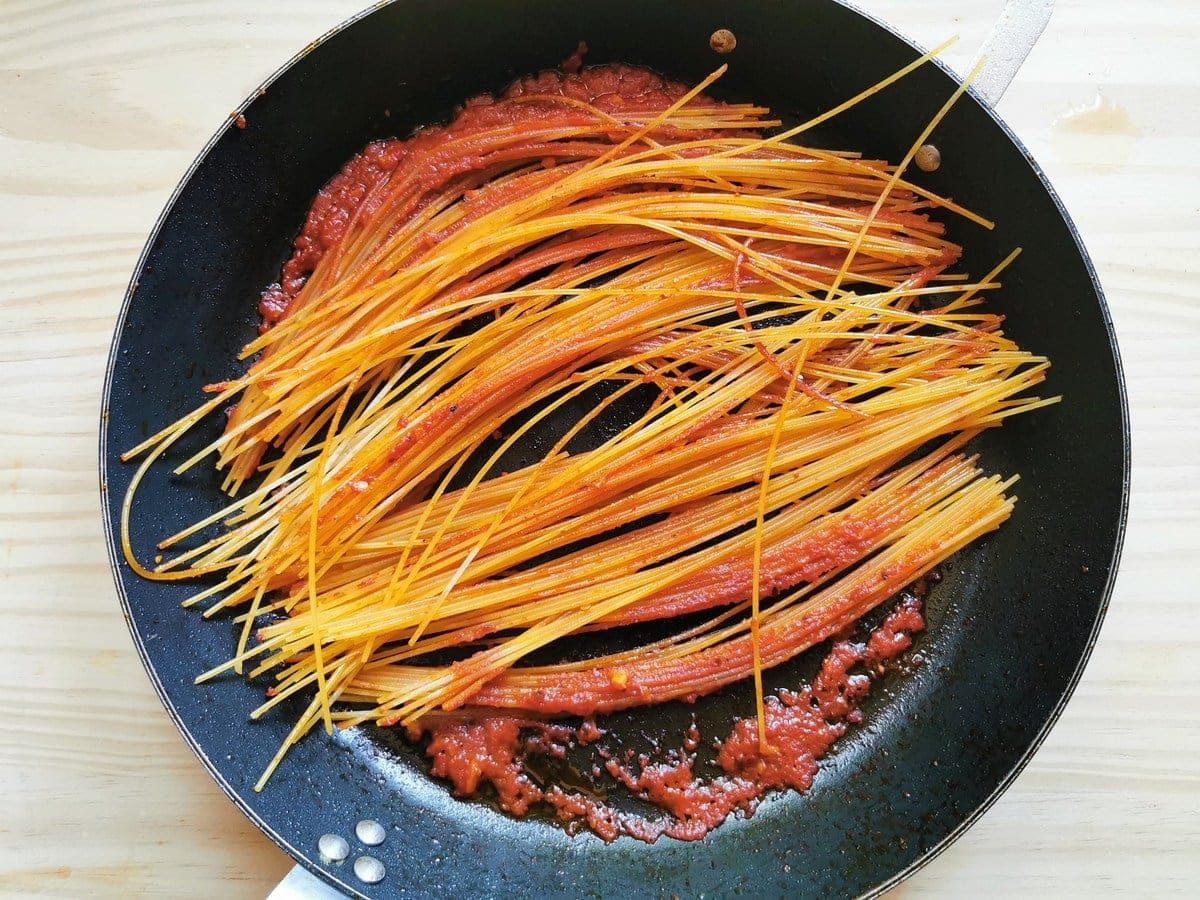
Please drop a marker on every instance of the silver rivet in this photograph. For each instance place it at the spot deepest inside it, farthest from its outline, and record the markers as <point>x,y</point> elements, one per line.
<point>369,870</point>
<point>370,832</point>
<point>333,847</point>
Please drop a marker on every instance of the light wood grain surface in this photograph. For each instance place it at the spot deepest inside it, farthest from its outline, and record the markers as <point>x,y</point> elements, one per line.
<point>103,105</point>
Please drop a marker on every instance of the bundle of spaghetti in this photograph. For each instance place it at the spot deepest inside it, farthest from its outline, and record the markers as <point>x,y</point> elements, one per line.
<point>803,369</point>
<point>697,664</point>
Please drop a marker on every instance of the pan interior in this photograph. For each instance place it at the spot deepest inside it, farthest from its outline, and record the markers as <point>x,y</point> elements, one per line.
<point>1008,627</point>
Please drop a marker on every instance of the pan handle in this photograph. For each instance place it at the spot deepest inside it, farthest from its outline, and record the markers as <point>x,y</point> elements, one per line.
<point>301,884</point>
<point>1007,45</point>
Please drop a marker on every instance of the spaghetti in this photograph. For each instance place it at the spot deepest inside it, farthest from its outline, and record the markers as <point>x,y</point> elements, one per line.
<point>766,371</point>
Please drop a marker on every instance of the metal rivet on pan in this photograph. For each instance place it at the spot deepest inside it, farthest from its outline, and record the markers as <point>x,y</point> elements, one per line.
<point>333,847</point>
<point>928,158</point>
<point>369,870</point>
<point>370,832</point>
<point>722,41</point>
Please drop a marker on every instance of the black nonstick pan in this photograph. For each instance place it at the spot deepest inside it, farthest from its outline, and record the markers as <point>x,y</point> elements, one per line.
<point>1010,625</point>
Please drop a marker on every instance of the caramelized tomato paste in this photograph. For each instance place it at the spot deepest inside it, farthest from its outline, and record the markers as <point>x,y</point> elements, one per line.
<point>354,191</point>
<point>801,726</point>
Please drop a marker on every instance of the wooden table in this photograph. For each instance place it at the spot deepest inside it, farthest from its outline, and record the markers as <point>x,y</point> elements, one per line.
<point>103,103</point>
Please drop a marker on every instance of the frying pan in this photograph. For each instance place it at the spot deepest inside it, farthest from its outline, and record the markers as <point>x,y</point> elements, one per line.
<point>1010,626</point>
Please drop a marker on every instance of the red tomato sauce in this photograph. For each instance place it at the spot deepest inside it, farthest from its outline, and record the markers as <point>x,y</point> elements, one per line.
<point>438,154</point>
<point>801,726</point>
